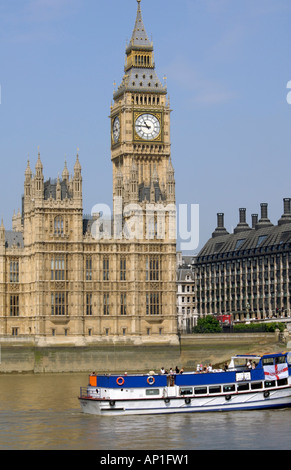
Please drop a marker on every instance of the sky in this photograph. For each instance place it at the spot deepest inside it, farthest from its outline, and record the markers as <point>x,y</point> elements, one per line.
<point>227,63</point>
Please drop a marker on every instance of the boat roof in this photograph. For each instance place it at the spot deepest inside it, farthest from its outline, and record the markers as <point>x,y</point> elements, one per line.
<point>259,356</point>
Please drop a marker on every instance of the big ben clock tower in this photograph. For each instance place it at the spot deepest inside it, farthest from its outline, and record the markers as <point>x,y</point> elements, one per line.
<point>143,178</point>
<point>140,127</point>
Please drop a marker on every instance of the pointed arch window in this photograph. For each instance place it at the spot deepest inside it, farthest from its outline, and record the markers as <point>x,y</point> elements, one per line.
<point>58,226</point>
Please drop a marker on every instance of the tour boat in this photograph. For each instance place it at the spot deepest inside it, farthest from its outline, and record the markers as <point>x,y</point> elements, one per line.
<point>249,382</point>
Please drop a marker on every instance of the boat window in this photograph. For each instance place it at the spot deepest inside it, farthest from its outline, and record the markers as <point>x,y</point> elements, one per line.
<point>215,389</point>
<point>186,391</point>
<point>242,387</point>
<point>153,391</point>
<point>268,361</point>
<point>280,360</point>
<point>229,388</point>
<point>270,383</point>
<point>256,385</point>
<point>282,382</point>
<point>200,390</point>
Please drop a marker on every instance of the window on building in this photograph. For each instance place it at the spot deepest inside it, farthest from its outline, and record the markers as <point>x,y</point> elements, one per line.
<point>14,305</point>
<point>89,304</point>
<point>239,243</point>
<point>58,268</point>
<point>105,269</point>
<point>88,268</point>
<point>153,268</point>
<point>153,304</point>
<point>123,269</point>
<point>59,305</point>
<point>58,226</point>
<point>261,238</point>
<point>106,304</point>
<point>14,270</point>
<point>123,304</point>
<point>15,331</point>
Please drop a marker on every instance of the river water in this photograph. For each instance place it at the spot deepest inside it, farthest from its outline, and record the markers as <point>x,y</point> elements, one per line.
<point>41,412</point>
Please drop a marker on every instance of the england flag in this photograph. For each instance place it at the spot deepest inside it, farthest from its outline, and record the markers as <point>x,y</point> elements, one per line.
<point>278,371</point>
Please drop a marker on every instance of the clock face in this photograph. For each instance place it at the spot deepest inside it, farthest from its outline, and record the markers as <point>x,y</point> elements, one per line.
<point>147,126</point>
<point>116,129</point>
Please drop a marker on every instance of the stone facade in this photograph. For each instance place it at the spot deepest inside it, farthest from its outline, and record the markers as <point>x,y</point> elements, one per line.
<point>67,276</point>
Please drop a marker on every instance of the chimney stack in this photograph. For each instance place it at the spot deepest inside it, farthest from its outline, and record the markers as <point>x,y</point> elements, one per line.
<point>242,225</point>
<point>220,230</point>
<point>255,219</point>
<point>264,221</point>
<point>286,217</point>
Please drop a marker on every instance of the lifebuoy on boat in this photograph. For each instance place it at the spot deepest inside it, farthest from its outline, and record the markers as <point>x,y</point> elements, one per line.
<point>228,397</point>
<point>266,394</point>
<point>187,401</point>
<point>120,381</point>
<point>151,380</point>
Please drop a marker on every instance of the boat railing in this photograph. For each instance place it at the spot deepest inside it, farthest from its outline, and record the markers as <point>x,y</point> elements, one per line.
<point>84,392</point>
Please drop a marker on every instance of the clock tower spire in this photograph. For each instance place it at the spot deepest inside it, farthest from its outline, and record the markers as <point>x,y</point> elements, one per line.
<point>140,122</point>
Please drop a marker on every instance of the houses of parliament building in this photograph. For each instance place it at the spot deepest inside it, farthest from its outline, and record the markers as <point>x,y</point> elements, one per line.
<point>61,277</point>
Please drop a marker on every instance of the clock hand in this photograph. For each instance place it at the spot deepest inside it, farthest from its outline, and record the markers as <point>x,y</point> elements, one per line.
<point>146,125</point>
<point>143,125</point>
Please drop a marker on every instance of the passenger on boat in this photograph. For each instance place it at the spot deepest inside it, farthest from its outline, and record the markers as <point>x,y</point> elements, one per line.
<point>163,371</point>
<point>177,370</point>
<point>198,368</point>
<point>254,365</point>
<point>225,367</point>
<point>181,370</point>
<point>209,368</point>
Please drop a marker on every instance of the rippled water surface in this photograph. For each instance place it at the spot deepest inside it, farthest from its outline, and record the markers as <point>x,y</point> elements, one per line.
<point>42,412</point>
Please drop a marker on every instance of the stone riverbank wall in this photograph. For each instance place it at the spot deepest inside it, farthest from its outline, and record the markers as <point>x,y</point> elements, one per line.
<point>24,356</point>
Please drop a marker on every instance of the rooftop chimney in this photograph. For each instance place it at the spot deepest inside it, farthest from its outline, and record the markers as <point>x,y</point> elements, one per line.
<point>286,217</point>
<point>264,221</point>
<point>255,219</point>
<point>242,225</point>
<point>220,230</point>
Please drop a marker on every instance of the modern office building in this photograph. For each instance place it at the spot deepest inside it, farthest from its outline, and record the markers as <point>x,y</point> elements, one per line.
<point>246,273</point>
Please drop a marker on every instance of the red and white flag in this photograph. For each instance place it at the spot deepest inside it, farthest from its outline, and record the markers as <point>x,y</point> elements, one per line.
<point>279,371</point>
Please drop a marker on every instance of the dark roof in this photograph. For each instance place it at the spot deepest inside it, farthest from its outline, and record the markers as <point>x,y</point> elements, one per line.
<point>13,238</point>
<point>50,189</point>
<point>183,272</point>
<point>248,241</point>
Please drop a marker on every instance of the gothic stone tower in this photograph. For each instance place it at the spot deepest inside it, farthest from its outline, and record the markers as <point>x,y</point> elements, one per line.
<point>140,127</point>
<point>144,184</point>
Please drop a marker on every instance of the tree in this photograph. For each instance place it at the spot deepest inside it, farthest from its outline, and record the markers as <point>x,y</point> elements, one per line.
<point>209,324</point>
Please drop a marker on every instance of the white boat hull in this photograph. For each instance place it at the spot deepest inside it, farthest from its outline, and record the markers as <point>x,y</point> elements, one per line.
<point>248,401</point>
